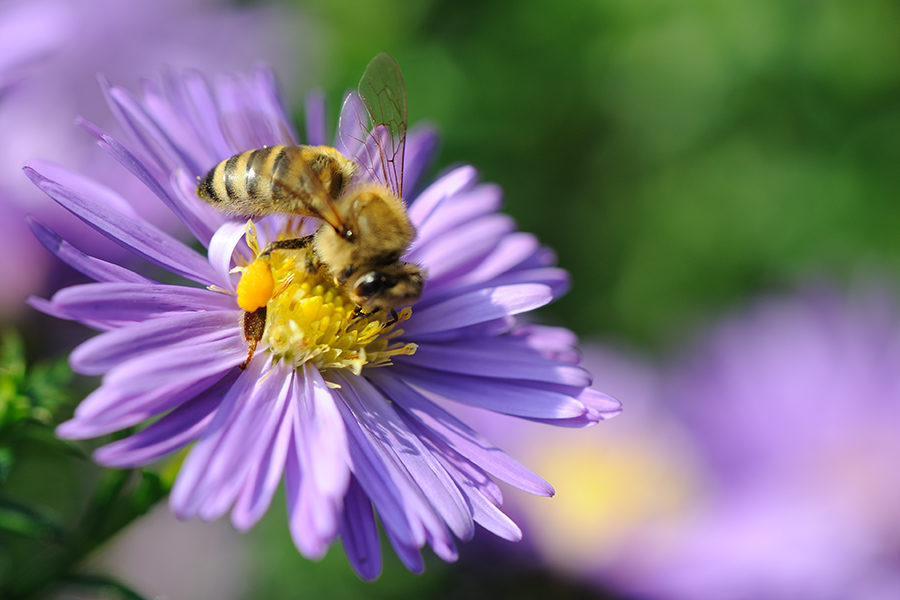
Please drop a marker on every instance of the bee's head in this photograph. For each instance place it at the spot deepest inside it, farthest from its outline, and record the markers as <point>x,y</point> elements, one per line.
<point>388,287</point>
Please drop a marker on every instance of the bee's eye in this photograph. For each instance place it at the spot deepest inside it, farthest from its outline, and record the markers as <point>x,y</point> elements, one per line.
<point>373,283</point>
<point>349,235</point>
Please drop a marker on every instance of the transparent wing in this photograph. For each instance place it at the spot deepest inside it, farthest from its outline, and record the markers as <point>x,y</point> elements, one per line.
<point>353,127</point>
<point>315,200</point>
<point>373,124</point>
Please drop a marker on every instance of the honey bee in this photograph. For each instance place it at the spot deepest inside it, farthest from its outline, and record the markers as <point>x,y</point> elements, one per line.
<point>365,229</point>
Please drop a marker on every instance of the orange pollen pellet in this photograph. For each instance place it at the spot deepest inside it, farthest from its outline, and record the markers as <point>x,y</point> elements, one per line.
<point>256,286</point>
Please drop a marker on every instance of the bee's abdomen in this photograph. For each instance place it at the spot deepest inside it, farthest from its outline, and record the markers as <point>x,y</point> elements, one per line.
<point>244,183</point>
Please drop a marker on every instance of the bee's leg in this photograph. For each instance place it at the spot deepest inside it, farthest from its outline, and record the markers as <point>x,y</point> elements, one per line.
<point>312,263</point>
<point>288,244</point>
<point>394,318</point>
<point>253,324</point>
<point>358,314</point>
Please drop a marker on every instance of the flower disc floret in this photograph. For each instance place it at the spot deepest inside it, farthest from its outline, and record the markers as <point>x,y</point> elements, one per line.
<point>311,318</point>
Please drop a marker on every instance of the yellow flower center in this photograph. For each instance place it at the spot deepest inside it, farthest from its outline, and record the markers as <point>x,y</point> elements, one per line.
<point>309,317</point>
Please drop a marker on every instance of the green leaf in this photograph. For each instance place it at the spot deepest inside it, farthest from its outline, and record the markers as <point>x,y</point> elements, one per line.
<point>29,522</point>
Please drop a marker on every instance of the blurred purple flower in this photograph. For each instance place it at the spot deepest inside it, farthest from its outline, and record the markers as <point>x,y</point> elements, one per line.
<point>760,466</point>
<point>50,54</point>
<point>347,409</point>
<point>795,405</point>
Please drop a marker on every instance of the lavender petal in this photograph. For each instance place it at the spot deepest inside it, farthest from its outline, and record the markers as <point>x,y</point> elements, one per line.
<point>431,478</point>
<point>467,207</point>
<point>421,147</point>
<point>477,307</point>
<point>458,252</point>
<point>194,222</point>
<point>173,431</point>
<point>204,111</point>
<point>426,204</point>
<point>555,343</point>
<point>219,463</point>
<point>96,269</point>
<point>499,358</point>
<point>147,386</point>
<point>222,248</point>
<point>137,302</point>
<point>377,483</point>
<point>501,396</point>
<point>406,497</point>
<point>140,237</point>
<point>265,475</point>
<point>103,352</point>
<point>460,437</point>
<point>320,431</point>
<point>315,119</point>
<point>315,499</point>
<point>359,533</point>
<point>510,252</point>
<point>245,441</point>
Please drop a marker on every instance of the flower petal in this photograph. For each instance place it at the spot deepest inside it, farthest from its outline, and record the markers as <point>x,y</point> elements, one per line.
<point>195,223</point>
<point>375,413</point>
<point>315,119</point>
<point>112,302</point>
<point>173,431</point>
<point>499,358</point>
<point>477,307</point>
<point>222,248</point>
<point>149,385</point>
<point>96,269</point>
<point>377,483</point>
<point>510,398</point>
<point>247,122</point>
<point>323,474</point>
<point>155,143</point>
<point>424,206</point>
<point>359,533</point>
<point>460,437</point>
<point>481,492</point>
<point>458,252</point>
<point>140,237</point>
<point>86,186</point>
<point>202,110</point>
<point>265,475</point>
<point>103,352</point>
<point>510,252</point>
<point>454,217</point>
<point>555,343</point>
<point>220,462</point>
<point>421,147</point>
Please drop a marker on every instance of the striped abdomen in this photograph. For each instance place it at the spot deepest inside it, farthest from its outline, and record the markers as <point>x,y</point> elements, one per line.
<point>276,180</point>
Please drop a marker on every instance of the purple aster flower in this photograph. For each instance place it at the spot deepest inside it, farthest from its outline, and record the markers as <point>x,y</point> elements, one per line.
<point>350,410</point>
<point>50,54</point>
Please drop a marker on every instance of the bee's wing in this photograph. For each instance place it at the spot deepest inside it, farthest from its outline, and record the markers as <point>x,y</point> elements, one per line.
<point>372,126</point>
<point>353,127</point>
<point>308,188</point>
